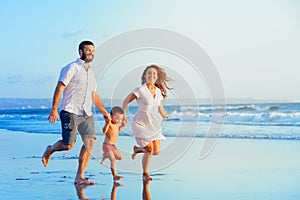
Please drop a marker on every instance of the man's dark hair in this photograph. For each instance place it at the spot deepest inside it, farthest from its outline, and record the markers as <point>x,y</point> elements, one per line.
<point>116,109</point>
<point>83,43</point>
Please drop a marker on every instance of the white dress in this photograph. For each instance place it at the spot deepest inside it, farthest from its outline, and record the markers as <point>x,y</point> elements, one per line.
<point>146,124</point>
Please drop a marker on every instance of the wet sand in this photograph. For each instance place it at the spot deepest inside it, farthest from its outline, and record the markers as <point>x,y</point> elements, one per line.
<point>235,169</point>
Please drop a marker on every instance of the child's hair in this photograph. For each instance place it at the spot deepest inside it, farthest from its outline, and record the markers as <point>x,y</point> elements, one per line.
<point>162,80</point>
<point>115,110</point>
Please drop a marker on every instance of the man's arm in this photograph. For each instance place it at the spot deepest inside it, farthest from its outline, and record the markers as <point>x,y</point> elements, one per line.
<point>53,116</point>
<point>98,103</point>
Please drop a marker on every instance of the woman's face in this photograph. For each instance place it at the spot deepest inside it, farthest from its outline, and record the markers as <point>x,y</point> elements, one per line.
<point>151,75</point>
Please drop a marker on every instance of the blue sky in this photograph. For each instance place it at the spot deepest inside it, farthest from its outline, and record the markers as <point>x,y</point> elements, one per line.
<point>255,45</point>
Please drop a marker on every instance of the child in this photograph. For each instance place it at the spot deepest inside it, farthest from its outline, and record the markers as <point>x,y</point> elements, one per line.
<point>111,130</point>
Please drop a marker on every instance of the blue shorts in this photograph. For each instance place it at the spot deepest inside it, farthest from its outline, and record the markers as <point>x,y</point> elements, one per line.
<point>70,123</point>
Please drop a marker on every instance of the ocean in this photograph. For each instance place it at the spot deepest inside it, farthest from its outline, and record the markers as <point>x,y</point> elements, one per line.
<point>247,120</point>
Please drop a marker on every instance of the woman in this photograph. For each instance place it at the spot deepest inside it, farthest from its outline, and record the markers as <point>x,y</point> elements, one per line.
<point>146,124</point>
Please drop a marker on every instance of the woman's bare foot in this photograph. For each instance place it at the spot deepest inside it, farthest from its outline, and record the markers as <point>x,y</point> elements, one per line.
<point>136,150</point>
<point>46,155</point>
<point>148,148</point>
<point>146,177</point>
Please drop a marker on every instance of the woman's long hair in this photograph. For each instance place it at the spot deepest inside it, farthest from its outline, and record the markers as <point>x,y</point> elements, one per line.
<point>161,81</point>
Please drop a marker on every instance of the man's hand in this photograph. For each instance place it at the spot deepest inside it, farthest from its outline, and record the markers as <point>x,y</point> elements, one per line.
<point>53,116</point>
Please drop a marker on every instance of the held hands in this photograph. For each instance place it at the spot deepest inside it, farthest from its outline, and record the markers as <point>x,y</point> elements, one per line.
<point>107,117</point>
<point>124,122</point>
<point>53,116</point>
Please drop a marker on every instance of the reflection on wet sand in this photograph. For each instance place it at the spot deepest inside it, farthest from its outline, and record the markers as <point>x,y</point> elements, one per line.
<point>80,191</point>
<point>81,195</point>
<point>146,192</point>
<point>113,196</point>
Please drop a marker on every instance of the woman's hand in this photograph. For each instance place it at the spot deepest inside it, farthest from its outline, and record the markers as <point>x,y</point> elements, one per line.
<point>124,122</point>
<point>165,115</point>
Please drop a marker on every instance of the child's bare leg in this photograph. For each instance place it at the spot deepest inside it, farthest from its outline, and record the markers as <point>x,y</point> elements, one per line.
<point>104,156</point>
<point>113,195</point>
<point>113,166</point>
<point>118,155</point>
<point>116,177</point>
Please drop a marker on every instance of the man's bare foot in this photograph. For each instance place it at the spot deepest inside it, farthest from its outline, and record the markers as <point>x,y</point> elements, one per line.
<point>46,155</point>
<point>84,181</point>
<point>146,177</point>
<point>117,178</point>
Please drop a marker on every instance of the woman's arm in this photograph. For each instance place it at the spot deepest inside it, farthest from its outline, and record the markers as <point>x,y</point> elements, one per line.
<point>126,101</point>
<point>162,111</point>
<point>122,126</point>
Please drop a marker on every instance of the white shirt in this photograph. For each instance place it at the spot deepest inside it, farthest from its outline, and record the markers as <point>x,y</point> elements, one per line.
<point>80,83</point>
<point>145,100</point>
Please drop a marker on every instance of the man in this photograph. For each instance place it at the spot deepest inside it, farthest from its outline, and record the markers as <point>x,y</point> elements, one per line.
<point>78,85</point>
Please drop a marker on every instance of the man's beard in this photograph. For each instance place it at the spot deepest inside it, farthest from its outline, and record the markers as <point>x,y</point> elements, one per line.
<point>83,57</point>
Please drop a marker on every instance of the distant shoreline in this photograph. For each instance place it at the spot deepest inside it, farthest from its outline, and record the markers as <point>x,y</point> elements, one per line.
<point>47,102</point>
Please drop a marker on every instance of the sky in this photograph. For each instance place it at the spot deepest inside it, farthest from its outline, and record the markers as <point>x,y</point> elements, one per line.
<point>254,45</point>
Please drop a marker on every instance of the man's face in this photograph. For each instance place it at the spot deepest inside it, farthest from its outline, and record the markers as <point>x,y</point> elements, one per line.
<point>88,53</point>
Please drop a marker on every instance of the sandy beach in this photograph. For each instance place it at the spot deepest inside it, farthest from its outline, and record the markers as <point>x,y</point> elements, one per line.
<point>235,169</point>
